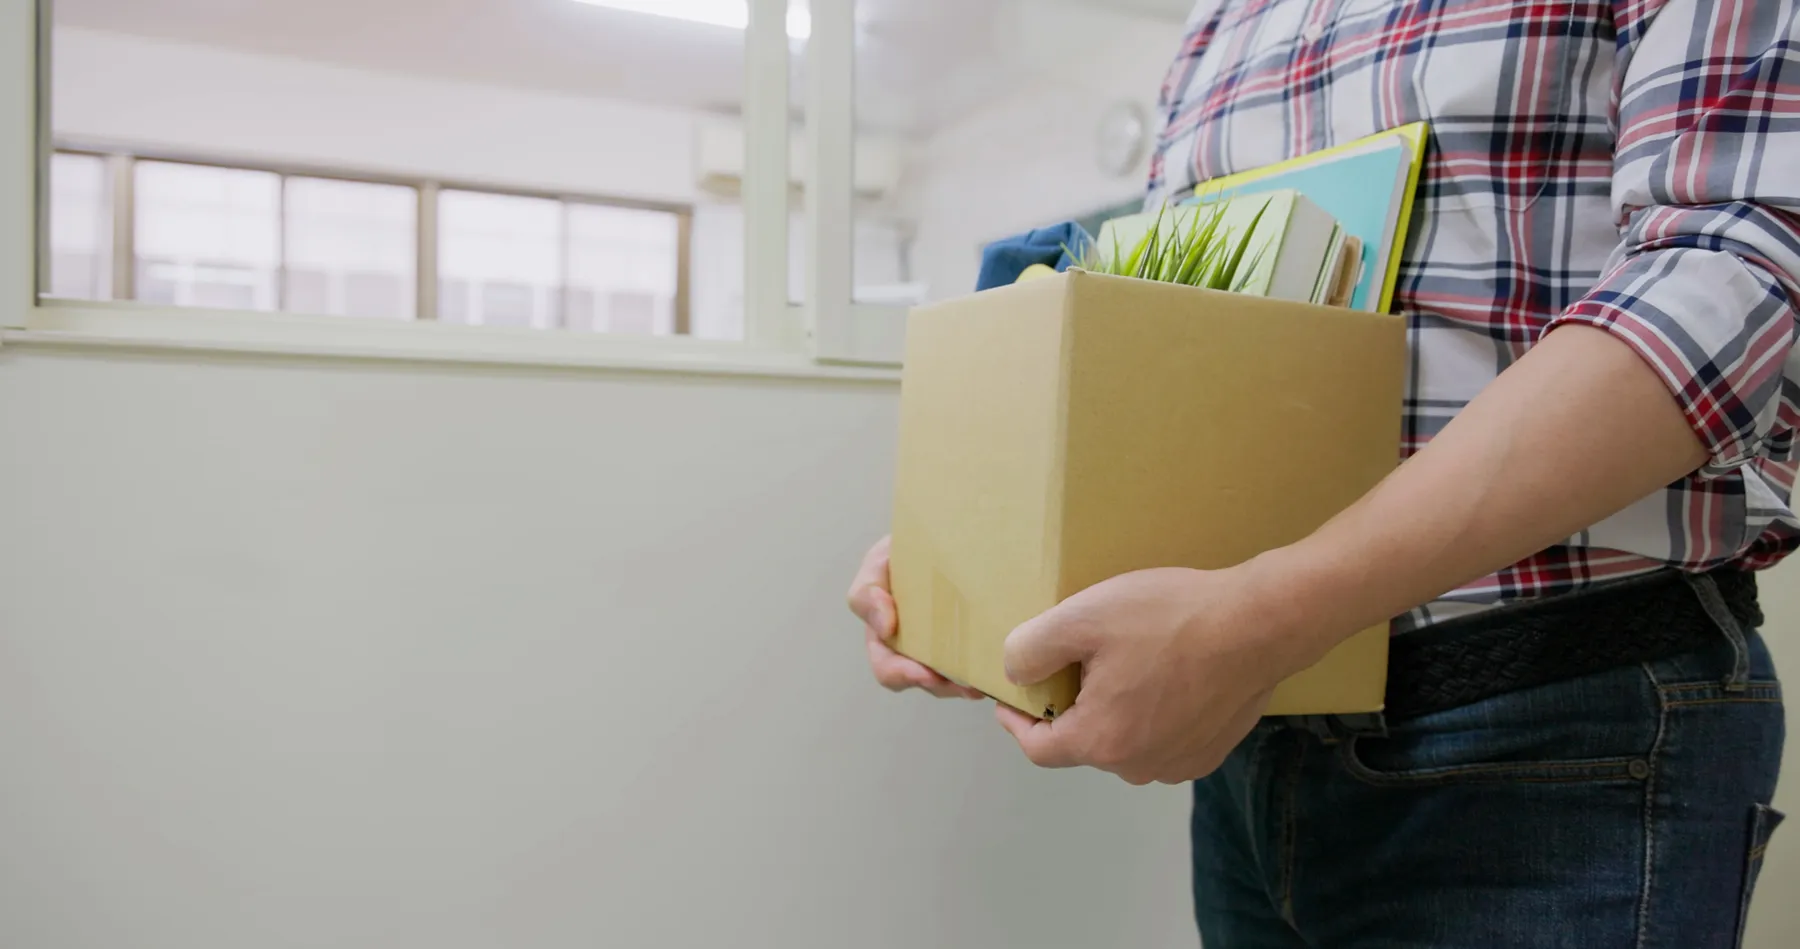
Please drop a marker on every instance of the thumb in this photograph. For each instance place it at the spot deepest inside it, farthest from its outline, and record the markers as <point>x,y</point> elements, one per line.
<point>1046,645</point>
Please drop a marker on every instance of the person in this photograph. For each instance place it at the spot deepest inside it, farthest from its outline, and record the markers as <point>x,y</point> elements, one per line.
<point>1583,726</point>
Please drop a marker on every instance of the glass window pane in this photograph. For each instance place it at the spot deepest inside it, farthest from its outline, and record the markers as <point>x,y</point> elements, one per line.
<point>506,303</point>
<point>716,288</point>
<point>499,259</point>
<point>895,90</point>
<point>880,259</point>
<point>626,261</point>
<point>81,233</point>
<point>580,310</point>
<point>351,248</point>
<point>207,236</point>
<point>453,301</point>
<point>306,291</point>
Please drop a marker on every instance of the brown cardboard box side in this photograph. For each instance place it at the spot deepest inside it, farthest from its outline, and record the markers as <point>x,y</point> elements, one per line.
<point>975,532</point>
<point>1068,430</point>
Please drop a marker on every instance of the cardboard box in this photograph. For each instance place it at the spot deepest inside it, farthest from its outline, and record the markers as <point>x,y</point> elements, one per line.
<point>1066,430</point>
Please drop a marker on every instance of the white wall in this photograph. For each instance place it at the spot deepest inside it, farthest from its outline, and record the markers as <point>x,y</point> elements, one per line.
<point>1029,160</point>
<point>1775,915</point>
<point>311,654</point>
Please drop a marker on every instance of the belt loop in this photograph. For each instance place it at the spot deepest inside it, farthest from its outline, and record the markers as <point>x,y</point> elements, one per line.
<point>1319,726</point>
<point>1714,603</point>
<point>1366,725</point>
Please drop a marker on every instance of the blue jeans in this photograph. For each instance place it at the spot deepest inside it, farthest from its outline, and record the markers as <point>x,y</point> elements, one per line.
<point>1624,810</point>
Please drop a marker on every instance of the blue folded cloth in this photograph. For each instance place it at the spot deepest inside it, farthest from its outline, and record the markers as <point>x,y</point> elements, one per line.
<point>1003,260</point>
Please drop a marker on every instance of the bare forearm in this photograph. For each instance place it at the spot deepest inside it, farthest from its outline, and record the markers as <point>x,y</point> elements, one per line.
<point>1577,430</point>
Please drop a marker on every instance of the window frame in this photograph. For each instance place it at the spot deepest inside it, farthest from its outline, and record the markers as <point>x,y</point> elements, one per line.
<point>123,160</point>
<point>827,336</point>
<point>842,329</point>
<point>24,122</point>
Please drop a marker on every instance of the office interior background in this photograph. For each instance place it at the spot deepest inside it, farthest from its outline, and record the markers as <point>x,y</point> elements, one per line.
<point>426,500</point>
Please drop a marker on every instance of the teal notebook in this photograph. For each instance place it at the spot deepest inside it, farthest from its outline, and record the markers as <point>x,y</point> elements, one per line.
<point>1358,187</point>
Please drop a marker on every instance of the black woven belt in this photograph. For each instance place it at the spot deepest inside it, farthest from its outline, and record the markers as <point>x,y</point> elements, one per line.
<point>1644,619</point>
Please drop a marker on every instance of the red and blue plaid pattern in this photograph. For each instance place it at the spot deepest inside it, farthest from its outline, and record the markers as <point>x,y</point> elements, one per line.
<point>1632,165</point>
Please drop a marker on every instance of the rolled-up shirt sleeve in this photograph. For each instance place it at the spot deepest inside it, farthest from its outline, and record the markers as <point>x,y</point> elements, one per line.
<point>1706,188</point>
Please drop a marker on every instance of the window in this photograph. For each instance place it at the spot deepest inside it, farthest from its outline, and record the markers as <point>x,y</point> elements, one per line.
<point>878,260</point>
<point>536,262</point>
<point>500,259</point>
<point>624,270</point>
<point>81,227</point>
<point>881,260</point>
<point>350,248</point>
<point>208,235</point>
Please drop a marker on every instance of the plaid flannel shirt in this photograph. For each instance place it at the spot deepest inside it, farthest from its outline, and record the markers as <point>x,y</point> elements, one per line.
<point>1632,165</point>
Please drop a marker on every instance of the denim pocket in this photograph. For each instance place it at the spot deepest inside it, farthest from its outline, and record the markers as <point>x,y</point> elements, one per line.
<point>1597,728</point>
<point>1763,821</point>
<point>1357,761</point>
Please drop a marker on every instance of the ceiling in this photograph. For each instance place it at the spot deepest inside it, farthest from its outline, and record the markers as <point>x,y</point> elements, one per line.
<point>921,63</point>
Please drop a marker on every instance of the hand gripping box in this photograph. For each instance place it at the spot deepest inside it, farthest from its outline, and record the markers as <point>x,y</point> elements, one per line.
<point>1065,430</point>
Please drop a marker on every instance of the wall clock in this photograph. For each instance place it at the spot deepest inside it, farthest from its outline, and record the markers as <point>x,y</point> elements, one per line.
<point>1122,138</point>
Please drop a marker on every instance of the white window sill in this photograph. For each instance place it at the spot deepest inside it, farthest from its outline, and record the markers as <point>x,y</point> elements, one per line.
<point>134,326</point>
